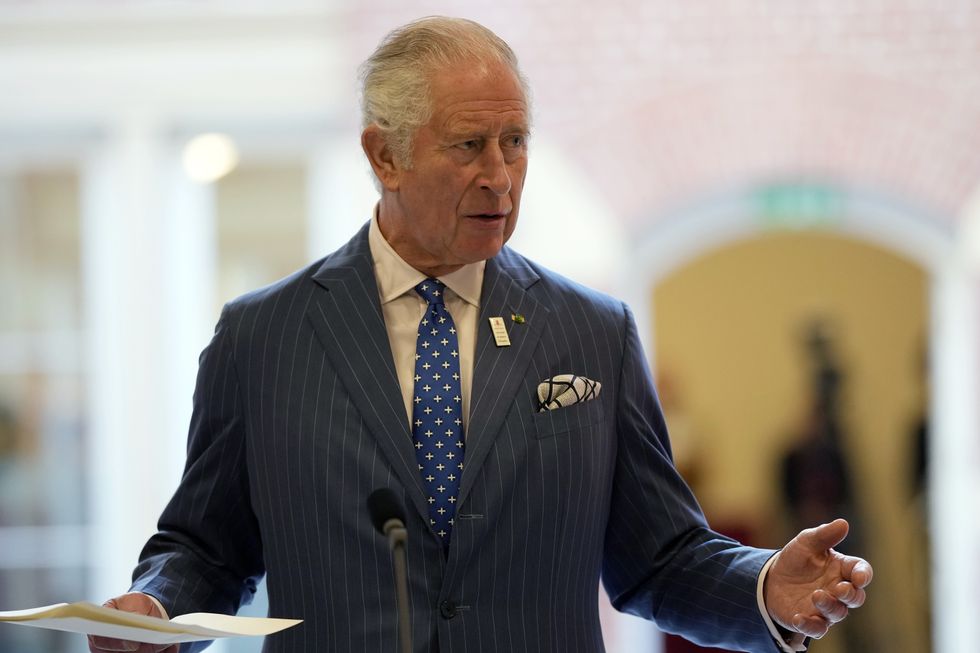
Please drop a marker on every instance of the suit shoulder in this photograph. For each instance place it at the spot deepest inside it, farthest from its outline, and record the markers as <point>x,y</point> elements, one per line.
<point>273,293</point>
<point>286,291</point>
<point>558,290</point>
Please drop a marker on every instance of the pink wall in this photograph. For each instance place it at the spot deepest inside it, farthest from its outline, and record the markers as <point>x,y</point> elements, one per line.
<point>660,101</point>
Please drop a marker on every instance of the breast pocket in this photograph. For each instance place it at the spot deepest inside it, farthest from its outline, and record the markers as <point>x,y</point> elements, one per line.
<point>570,418</point>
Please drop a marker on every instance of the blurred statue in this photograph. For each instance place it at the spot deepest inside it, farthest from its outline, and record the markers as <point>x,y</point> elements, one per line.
<point>815,476</point>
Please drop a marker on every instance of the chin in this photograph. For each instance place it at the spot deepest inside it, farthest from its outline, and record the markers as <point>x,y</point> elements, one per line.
<point>488,251</point>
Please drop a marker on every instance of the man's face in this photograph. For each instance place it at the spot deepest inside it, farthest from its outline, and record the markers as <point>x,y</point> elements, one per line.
<point>458,203</point>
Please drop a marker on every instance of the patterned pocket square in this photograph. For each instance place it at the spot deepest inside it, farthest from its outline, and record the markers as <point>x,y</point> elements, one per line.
<point>565,390</point>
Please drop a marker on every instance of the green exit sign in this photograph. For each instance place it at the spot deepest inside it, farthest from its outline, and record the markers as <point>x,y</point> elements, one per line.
<point>797,206</point>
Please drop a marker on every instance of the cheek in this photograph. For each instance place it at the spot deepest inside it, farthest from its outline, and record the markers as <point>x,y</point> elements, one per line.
<point>511,225</point>
<point>519,172</point>
<point>516,190</point>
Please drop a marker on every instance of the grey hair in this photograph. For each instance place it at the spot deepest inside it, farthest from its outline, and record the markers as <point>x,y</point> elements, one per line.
<point>395,78</point>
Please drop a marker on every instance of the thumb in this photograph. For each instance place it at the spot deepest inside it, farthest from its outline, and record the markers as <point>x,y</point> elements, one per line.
<point>825,536</point>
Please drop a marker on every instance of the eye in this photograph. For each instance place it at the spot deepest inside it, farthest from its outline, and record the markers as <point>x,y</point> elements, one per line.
<point>515,141</point>
<point>471,144</point>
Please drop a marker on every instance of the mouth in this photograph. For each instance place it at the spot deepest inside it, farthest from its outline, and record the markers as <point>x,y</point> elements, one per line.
<point>489,217</point>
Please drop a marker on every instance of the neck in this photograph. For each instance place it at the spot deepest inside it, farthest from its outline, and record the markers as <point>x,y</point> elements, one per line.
<point>425,265</point>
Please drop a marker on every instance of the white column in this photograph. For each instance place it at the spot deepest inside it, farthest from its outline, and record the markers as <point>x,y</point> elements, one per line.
<point>147,254</point>
<point>189,309</point>
<point>955,459</point>
<point>340,192</point>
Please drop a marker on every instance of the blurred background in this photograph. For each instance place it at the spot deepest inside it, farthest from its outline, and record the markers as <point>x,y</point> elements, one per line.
<point>785,191</point>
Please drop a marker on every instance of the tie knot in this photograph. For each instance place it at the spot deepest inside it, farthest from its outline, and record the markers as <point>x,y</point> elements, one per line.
<point>431,291</point>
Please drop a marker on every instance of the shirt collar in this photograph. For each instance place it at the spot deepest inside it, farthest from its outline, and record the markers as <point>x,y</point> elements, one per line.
<point>396,277</point>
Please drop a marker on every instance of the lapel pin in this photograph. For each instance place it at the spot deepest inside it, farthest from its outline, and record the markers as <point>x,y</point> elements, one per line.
<point>499,330</point>
<point>517,318</point>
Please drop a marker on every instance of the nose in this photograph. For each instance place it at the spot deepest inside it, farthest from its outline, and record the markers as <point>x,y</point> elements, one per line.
<point>495,176</point>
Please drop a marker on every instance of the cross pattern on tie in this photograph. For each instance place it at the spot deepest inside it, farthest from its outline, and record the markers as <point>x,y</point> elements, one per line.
<point>437,409</point>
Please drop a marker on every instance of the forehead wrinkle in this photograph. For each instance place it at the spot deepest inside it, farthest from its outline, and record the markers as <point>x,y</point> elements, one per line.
<point>486,119</point>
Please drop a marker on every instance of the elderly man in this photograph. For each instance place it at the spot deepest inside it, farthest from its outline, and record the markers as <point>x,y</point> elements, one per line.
<point>427,357</point>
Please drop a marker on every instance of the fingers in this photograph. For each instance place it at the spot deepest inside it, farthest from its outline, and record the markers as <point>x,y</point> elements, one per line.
<point>97,644</point>
<point>815,627</point>
<point>848,594</point>
<point>134,602</point>
<point>830,609</point>
<point>100,644</point>
<point>825,536</point>
<point>858,571</point>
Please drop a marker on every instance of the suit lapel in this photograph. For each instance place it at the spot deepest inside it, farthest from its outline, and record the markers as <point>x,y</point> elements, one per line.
<point>498,372</point>
<point>347,318</point>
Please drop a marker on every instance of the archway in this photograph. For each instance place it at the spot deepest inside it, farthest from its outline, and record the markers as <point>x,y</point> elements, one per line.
<point>909,233</point>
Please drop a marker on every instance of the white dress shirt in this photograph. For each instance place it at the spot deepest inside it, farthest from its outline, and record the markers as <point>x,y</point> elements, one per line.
<point>403,308</point>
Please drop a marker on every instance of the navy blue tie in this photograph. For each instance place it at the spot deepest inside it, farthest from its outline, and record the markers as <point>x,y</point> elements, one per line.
<point>437,409</point>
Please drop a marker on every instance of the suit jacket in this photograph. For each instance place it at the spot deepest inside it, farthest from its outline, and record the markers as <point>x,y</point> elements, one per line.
<point>298,417</point>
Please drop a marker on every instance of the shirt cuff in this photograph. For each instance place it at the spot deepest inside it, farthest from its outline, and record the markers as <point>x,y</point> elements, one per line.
<point>796,641</point>
<point>156,602</point>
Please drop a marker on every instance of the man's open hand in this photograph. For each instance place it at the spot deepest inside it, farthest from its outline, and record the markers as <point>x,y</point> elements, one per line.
<point>810,587</point>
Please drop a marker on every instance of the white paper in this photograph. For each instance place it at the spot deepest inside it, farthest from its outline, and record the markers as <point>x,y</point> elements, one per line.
<point>91,619</point>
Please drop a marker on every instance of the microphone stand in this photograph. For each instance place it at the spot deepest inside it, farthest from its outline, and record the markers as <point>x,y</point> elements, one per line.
<point>397,539</point>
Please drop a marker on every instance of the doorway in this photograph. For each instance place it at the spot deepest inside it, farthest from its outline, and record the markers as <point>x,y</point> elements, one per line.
<point>867,219</point>
<point>790,366</point>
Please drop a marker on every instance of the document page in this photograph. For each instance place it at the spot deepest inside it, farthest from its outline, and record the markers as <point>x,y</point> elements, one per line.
<point>91,619</point>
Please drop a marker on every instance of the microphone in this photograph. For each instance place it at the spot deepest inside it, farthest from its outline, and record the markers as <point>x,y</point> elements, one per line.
<point>386,511</point>
<point>388,517</point>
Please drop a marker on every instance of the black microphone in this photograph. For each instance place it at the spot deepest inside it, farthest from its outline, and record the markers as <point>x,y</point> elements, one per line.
<point>388,517</point>
<point>386,510</point>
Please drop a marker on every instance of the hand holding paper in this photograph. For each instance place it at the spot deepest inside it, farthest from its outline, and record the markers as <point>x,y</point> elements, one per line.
<point>137,603</point>
<point>125,628</point>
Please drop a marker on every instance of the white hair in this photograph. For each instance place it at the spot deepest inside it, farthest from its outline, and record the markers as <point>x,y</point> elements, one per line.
<point>395,79</point>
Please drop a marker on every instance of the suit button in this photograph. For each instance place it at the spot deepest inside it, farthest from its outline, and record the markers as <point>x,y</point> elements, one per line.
<point>447,609</point>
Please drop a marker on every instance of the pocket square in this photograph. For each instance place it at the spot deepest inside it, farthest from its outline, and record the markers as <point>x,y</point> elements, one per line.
<point>565,390</point>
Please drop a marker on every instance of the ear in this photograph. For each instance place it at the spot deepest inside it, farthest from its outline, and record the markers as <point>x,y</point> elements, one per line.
<point>382,159</point>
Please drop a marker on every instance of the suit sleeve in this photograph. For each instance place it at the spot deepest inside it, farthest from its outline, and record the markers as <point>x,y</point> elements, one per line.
<point>661,560</point>
<point>207,555</point>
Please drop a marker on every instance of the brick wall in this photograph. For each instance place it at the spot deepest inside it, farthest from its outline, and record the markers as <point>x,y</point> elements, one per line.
<point>661,101</point>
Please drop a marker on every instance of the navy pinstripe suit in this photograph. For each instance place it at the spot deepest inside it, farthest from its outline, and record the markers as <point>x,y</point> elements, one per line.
<point>298,417</point>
